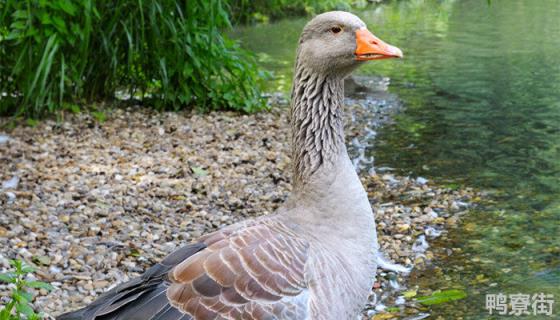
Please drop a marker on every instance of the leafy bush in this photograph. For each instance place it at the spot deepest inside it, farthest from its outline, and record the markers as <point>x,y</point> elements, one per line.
<point>20,300</point>
<point>55,54</point>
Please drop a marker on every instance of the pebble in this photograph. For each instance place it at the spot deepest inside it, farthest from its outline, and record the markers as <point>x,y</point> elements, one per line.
<point>11,196</point>
<point>11,183</point>
<point>4,138</point>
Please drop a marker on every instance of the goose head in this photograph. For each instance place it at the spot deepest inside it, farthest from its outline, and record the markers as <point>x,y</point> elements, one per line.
<point>337,42</point>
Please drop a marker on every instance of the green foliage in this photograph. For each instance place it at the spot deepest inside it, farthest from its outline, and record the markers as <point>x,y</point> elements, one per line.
<point>393,309</point>
<point>261,10</point>
<point>172,55</point>
<point>442,297</point>
<point>19,305</point>
<point>100,116</point>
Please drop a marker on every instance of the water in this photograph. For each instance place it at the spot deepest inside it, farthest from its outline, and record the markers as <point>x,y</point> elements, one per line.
<point>481,88</point>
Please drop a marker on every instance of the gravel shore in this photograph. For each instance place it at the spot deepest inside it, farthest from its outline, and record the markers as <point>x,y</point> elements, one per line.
<point>94,204</point>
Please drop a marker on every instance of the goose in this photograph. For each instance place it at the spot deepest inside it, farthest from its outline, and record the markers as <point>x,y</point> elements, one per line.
<point>315,257</point>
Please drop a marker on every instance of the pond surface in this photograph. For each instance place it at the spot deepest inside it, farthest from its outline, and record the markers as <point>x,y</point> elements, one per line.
<point>480,85</point>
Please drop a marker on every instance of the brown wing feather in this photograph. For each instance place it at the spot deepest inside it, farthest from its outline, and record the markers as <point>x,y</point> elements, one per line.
<point>250,271</point>
<point>256,272</point>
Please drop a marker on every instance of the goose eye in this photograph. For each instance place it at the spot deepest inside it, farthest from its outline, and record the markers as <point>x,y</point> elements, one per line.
<point>336,30</point>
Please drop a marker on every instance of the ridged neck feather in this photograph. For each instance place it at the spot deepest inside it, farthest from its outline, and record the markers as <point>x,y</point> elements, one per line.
<point>316,119</point>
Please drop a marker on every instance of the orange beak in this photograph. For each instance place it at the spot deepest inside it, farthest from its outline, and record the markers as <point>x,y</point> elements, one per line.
<point>369,47</point>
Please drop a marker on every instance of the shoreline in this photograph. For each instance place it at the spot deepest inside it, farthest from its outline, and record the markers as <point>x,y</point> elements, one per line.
<point>96,204</point>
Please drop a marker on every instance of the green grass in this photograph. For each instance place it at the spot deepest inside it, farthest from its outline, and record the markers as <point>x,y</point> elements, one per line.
<point>58,55</point>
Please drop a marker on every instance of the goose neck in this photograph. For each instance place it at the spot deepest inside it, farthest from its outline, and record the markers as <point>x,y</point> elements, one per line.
<point>317,124</point>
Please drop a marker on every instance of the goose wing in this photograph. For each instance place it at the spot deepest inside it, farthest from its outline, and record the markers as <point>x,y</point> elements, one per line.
<point>252,272</point>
